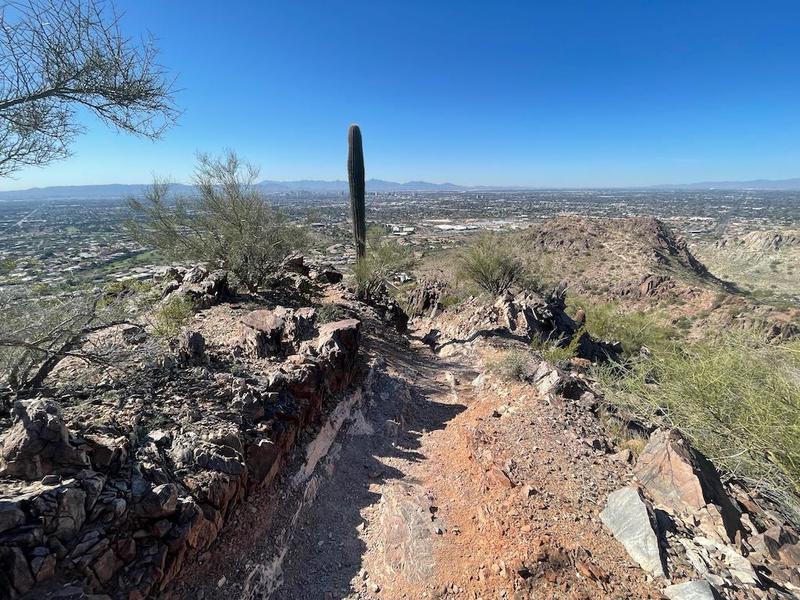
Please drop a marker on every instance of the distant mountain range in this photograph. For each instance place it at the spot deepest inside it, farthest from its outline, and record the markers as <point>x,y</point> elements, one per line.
<point>117,191</point>
<point>754,184</point>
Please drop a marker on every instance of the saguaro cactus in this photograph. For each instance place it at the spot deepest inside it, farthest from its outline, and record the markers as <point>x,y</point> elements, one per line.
<point>355,173</point>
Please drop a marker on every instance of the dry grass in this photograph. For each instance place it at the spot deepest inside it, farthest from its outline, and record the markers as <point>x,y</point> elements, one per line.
<point>736,397</point>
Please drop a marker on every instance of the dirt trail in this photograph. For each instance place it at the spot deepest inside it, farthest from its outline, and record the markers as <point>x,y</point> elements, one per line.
<point>431,481</point>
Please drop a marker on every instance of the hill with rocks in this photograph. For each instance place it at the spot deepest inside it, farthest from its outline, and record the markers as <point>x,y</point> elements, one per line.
<point>304,443</point>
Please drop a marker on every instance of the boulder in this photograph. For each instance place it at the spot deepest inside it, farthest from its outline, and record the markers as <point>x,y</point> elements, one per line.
<point>631,521</point>
<point>682,480</point>
<point>38,443</point>
<point>202,288</point>
<point>263,331</point>
<point>190,347</point>
<point>159,502</point>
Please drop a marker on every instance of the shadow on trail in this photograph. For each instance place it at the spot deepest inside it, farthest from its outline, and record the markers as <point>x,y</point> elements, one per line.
<point>404,402</point>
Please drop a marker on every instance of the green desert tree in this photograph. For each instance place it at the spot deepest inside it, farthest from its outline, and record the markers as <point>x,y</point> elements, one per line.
<point>225,221</point>
<point>490,264</point>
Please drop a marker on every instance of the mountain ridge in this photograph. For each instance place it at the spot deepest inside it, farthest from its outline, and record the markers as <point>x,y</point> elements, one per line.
<point>122,190</point>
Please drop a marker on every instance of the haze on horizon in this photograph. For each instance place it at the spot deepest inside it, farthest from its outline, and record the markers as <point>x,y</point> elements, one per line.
<point>579,95</point>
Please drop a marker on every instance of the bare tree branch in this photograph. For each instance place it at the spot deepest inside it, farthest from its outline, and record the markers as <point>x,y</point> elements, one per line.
<point>57,56</point>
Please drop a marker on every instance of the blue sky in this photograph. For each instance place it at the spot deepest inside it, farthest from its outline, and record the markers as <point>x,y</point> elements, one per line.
<point>568,93</point>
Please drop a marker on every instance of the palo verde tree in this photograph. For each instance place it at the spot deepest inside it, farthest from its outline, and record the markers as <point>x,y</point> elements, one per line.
<point>225,222</point>
<point>59,56</point>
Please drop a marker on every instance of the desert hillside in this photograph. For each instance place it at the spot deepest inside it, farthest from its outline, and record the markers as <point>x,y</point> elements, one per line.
<point>306,443</point>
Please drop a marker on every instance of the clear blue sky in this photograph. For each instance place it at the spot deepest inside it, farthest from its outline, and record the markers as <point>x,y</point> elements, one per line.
<point>567,93</point>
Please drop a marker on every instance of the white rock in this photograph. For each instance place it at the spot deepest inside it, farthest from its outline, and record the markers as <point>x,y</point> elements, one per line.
<point>691,590</point>
<point>630,520</point>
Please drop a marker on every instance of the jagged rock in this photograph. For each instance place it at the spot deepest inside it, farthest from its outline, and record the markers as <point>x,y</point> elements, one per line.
<point>191,347</point>
<point>691,590</point>
<point>630,519</point>
<point>15,574</point>
<point>779,543</point>
<point>682,480</point>
<point>107,453</point>
<point>38,443</point>
<point>203,289</point>
<point>263,331</point>
<point>426,298</point>
<point>338,343</point>
<point>194,275</point>
<point>11,515</point>
<point>262,459</point>
<point>304,321</point>
<point>738,566</point>
<point>159,502</point>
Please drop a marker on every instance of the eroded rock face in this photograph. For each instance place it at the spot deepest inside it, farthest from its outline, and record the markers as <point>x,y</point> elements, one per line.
<point>119,506</point>
<point>426,299</point>
<point>525,316</point>
<point>38,443</point>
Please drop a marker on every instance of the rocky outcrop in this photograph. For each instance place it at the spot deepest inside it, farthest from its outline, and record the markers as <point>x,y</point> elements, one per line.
<point>525,316</point>
<point>426,298</point>
<point>202,288</point>
<point>683,481</point>
<point>121,509</point>
<point>715,545</point>
<point>279,331</point>
<point>38,444</point>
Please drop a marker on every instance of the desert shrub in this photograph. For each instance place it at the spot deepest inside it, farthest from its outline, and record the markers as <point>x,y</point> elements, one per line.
<point>39,330</point>
<point>490,264</point>
<point>329,312</point>
<point>633,329</point>
<point>735,396</point>
<point>384,258</point>
<point>172,315</point>
<point>451,301</point>
<point>226,223</point>
<point>555,351</point>
<point>511,366</point>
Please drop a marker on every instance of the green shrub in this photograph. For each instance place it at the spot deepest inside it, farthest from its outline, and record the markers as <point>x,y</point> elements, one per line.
<point>511,366</point>
<point>384,258</point>
<point>329,312</point>
<point>490,264</point>
<point>554,351</point>
<point>450,301</point>
<point>633,329</point>
<point>736,397</point>
<point>172,315</point>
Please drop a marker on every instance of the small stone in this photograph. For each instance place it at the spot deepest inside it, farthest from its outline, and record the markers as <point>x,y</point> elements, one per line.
<point>222,581</point>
